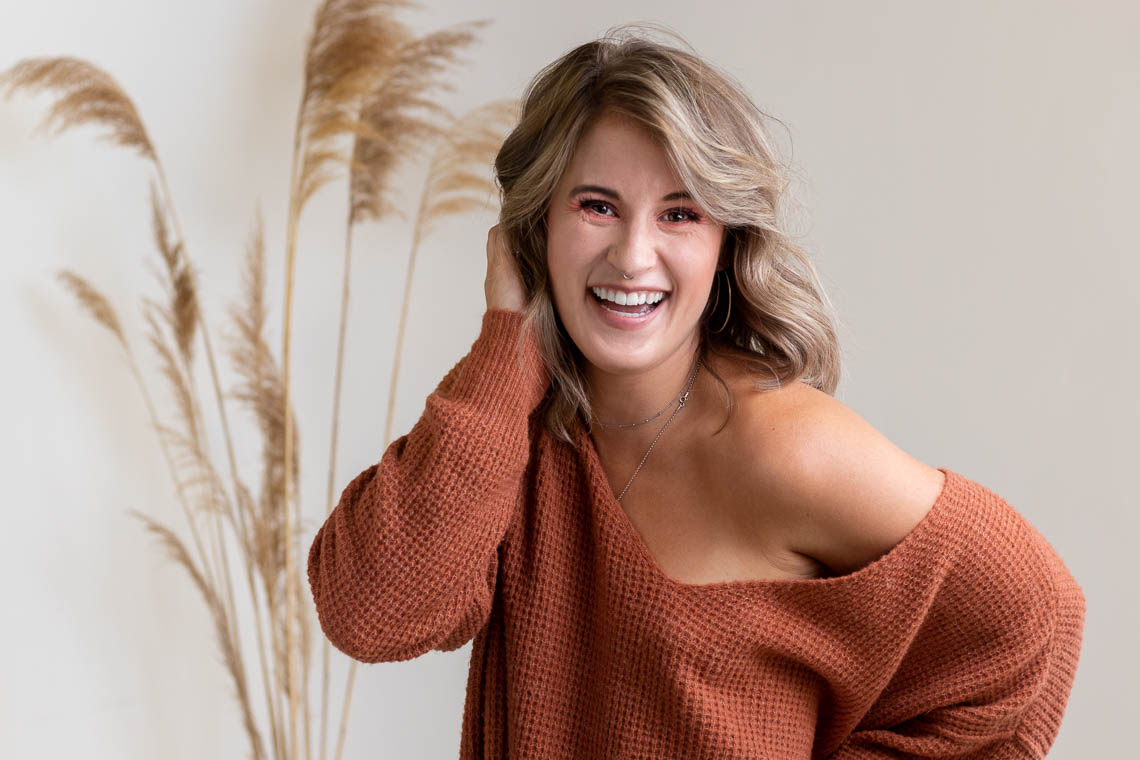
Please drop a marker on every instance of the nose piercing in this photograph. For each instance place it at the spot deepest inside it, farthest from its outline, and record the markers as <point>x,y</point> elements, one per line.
<point>626,276</point>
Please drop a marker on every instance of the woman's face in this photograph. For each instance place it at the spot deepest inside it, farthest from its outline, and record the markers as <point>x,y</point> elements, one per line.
<point>619,207</point>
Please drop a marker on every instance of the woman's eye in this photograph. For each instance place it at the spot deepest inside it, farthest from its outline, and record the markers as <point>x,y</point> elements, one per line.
<point>600,207</point>
<point>593,204</point>
<point>692,216</point>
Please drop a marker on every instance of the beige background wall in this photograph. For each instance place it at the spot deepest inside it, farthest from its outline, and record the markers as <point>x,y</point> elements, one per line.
<point>968,180</point>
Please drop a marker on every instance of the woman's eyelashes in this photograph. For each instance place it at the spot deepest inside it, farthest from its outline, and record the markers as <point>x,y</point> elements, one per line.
<point>592,204</point>
<point>597,206</point>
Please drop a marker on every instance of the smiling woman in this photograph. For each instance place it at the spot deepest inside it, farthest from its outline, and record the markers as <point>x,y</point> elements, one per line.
<point>777,581</point>
<point>625,237</point>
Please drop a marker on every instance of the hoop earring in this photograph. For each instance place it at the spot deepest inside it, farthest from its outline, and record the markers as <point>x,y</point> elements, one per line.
<point>728,311</point>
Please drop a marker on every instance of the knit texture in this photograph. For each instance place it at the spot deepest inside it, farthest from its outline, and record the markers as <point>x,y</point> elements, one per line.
<point>962,641</point>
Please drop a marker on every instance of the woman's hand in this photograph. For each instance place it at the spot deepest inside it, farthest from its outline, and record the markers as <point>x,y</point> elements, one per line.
<point>503,286</point>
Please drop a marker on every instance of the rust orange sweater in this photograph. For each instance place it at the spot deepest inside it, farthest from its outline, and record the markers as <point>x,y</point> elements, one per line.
<point>960,642</point>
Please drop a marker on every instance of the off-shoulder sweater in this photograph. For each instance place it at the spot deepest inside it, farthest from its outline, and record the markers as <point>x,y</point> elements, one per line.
<point>961,641</point>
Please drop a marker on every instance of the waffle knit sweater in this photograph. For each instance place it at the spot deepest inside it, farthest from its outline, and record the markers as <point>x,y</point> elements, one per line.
<point>962,641</point>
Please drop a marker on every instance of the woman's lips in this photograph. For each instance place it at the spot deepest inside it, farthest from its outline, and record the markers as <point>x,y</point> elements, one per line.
<point>624,321</point>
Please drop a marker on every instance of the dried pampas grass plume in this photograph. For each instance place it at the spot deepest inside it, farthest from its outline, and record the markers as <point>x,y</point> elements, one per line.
<point>459,179</point>
<point>89,96</point>
<point>180,281</point>
<point>349,36</point>
<point>351,48</point>
<point>94,303</point>
<point>261,390</point>
<point>98,307</point>
<point>231,656</point>
<point>400,110</point>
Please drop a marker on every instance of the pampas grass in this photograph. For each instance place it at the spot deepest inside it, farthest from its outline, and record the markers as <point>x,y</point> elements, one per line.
<point>367,104</point>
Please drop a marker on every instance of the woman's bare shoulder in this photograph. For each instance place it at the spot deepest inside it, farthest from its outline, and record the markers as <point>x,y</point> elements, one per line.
<point>844,491</point>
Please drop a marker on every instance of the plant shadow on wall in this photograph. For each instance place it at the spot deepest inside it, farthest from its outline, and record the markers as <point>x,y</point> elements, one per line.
<point>366,107</point>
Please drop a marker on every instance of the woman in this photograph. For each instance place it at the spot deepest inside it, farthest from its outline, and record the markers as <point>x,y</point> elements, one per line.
<point>638,496</point>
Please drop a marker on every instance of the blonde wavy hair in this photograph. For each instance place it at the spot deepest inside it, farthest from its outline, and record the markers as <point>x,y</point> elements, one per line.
<point>767,303</point>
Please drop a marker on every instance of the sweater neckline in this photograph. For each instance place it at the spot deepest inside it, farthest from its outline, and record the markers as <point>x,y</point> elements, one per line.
<point>900,553</point>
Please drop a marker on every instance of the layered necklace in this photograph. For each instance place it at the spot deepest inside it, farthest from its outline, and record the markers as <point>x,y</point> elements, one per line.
<point>680,401</point>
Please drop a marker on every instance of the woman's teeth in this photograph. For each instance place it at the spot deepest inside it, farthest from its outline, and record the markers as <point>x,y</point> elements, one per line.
<point>628,299</point>
<point>636,304</point>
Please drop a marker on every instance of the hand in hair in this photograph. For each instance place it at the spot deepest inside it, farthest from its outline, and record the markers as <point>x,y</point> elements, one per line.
<point>503,286</point>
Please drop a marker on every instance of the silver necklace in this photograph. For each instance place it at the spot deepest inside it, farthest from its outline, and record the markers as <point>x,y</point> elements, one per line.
<point>633,424</point>
<point>680,404</point>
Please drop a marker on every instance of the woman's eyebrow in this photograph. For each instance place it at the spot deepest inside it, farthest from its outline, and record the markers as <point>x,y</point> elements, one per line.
<point>679,195</point>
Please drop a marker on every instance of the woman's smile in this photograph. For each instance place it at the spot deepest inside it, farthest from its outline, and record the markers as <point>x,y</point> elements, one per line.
<point>630,316</point>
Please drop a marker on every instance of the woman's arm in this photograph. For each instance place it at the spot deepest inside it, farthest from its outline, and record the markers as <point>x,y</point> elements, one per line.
<point>408,559</point>
<point>1001,698</point>
<point>984,617</point>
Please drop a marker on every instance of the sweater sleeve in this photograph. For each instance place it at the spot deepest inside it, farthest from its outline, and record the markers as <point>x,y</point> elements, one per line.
<point>407,561</point>
<point>990,671</point>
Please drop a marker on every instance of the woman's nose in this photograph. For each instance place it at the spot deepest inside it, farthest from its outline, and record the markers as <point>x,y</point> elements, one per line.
<point>634,253</point>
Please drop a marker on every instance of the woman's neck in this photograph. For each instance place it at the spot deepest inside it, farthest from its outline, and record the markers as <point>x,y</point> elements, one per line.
<point>689,427</point>
<point>621,399</point>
